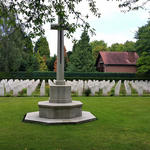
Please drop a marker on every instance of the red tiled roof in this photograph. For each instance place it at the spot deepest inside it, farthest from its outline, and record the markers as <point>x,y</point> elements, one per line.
<point>124,58</point>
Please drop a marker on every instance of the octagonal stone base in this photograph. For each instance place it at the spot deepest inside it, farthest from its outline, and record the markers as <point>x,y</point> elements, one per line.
<point>60,110</point>
<point>34,117</point>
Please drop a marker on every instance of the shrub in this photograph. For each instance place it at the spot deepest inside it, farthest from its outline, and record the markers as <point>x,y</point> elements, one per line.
<point>74,75</point>
<point>87,92</point>
<point>23,92</point>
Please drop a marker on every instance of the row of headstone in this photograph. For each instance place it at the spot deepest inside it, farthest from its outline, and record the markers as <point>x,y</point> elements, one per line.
<point>17,86</point>
<point>127,88</point>
<point>107,87</point>
<point>138,87</point>
<point>94,86</point>
<point>42,88</point>
<point>141,86</point>
<point>76,86</point>
<point>50,82</point>
<point>32,87</point>
<point>146,86</point>
<point>1,89</point>
<point>117,88</point>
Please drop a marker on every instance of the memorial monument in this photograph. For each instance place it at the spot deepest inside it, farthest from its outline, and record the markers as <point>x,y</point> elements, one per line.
<point>60,108</point>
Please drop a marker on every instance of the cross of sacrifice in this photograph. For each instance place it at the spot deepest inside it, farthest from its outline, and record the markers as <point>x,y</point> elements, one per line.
<point>60,51</point>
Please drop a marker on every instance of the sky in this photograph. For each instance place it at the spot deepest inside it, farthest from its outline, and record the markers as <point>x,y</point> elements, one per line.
<point>113,26</point>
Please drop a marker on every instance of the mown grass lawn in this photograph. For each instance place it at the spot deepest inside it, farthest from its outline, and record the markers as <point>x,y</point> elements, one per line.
<point>123,123</point>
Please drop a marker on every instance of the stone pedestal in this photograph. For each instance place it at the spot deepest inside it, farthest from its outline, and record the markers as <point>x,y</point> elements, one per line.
<point>59,109</point>
<point>60,94</point>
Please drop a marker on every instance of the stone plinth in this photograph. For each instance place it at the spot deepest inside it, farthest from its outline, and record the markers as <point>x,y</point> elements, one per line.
<point>60,94</point>
<point>60,110</point>
<point>33,117</point>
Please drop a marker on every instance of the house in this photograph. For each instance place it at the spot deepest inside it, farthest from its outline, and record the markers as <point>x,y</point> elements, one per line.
<point>116,62</point>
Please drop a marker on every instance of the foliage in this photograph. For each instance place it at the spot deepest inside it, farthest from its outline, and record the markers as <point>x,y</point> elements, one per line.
<point>143,64</point>
<point>65,61</point>
<point>116,47</point>
<point>129,5</point>
<point>23,92</point>
<point>81,59</point>
<point>129,46</point>
<point>69,54</point>
<point>28,46</point>
<point>41,62</point>
<point>11,41</point>
<point>50,63</point>
<point>143,39</point>
<point>42,47</point>
<point>87,92</point>
<point>73,75</point>
<point>98,46</point>
<point>16,52</point>
<point>143,48</point>
<point>29,63</point>
<point>37,13</point>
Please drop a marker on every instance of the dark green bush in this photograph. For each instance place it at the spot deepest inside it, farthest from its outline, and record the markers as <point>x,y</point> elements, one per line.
<point>87,92</point>
<point>74,75</point>
<point>23,92</point>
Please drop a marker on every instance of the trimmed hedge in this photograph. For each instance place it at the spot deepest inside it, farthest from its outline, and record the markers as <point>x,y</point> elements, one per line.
<point>74,75</point>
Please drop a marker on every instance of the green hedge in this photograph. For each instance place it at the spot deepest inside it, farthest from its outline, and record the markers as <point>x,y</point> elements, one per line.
<point>74,75</point>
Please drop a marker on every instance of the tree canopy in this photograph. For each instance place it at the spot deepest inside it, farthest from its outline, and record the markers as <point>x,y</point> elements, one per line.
<point>81,59</point>
<point>126,47</point>
<point>11,42</point>
<point>143,64</point>
<point>98,46</point>
<point>134,4</point>
<point>143,39</point>
<point>143,48</point>
<point>16,48</point>
<point>42,47</point>
<point>36,13</point>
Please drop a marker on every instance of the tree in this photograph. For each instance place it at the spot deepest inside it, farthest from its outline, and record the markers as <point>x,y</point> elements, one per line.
<point>38,12</point>
<point>16,52</point>
<point>143,39</point>
<point>41,62</point>
<point>81,59</point>
<point>42,47</point>
<point>69,53</point>
<point>134,4</point>
<point>98,46</point>
<point>28,46</point>
<point>65,61</point>
<point>143,64</point>
<point>50,63</point>
<point>143,48</point>
<point>11,41</point>
<point>116,47</point>
<point>29,63</point>
<point>129,46</point>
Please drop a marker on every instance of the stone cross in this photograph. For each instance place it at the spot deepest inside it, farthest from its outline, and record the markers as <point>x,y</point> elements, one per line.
<point>60,51</point>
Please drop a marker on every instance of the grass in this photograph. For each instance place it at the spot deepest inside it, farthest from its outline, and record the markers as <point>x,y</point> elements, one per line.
<point>123,123</point>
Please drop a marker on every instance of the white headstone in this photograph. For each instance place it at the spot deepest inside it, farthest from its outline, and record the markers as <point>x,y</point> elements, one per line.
<point>42,88</point>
